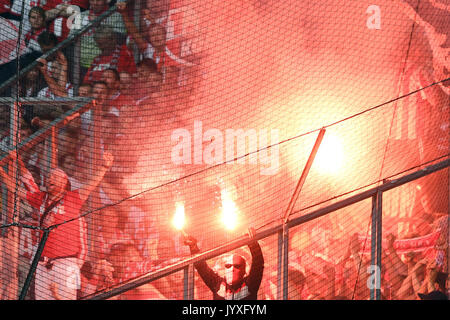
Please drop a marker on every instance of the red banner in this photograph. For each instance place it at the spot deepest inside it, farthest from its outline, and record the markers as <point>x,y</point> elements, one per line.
<point>419,244</point>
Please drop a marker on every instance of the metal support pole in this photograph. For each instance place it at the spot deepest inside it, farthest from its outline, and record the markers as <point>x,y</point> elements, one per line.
<point>34,264</point>
<point>14,203</point>
<point>280,264</point>
<point>283,236</point>
<point>4,208</point>
<point>376,240</point>
<point>285,262</point>
<point>54,148</point>
<point>305,172</point>
<point>76,66</point>
<point>94,198</point>
<point>137,18</point>
<point>186,283</point>
<point>47,166</point>
<point>13,141</point>
<point>189,283</point>
<point>373,241</point>
<point>379,241</point>
<point>14,128</point>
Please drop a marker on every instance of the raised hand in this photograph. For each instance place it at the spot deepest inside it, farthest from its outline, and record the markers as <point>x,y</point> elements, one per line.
<point>108,159</point>
<point>189,241</point>
<point>390,242</point>
<point>147,14</point>
<point>251,233</point>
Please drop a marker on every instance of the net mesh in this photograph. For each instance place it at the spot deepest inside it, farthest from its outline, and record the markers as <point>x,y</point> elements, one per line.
<point>204,114</point>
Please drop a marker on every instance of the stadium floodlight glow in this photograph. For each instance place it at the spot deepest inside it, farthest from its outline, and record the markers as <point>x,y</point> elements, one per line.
<point>229,210</point>
<point>330,157</point>
<point>179,219</point>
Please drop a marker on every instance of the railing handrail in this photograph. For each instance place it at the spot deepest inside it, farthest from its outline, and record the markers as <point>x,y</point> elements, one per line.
<point>154,275</point>
<point>62,44</point>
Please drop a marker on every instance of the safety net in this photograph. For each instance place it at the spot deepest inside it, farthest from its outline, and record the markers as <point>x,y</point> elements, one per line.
<point>130,130</point>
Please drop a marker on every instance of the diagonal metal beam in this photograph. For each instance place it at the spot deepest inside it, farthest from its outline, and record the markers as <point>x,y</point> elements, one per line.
<point>45,101</point>
<point>305,173</point>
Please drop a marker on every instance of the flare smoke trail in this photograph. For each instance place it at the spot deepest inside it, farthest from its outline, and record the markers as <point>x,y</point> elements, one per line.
<point>281,65</point>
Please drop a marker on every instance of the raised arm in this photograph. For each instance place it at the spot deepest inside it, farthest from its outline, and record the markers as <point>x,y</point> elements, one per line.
<point>257,268</point>
<point>398,267</point>
<point>209,277</point>
<point>95,179</point>
<point>406,290</point>
<point>10,182</point>
<point>54,85</point>
<point>59,10</point>
<point>131,28</point>
<point>416,282</point>
<point>62,77</point>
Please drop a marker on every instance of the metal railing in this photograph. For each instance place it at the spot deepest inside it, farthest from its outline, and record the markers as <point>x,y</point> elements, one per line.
<point>71,39</point>
<point>282,230</point>
<point>187,265</point>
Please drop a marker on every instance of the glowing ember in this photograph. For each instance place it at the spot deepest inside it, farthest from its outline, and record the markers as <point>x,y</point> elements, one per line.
<point>229,210</point>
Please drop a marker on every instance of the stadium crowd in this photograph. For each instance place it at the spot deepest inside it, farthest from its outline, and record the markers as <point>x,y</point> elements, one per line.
<point>126,70</point>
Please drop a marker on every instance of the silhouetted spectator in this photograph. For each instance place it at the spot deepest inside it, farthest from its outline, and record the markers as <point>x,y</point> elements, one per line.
<point>236,285</point>
<point>438,290</point>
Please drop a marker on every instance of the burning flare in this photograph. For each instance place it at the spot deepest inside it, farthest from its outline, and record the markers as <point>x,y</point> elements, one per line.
<point>229,210</point>
<point>179,220</point>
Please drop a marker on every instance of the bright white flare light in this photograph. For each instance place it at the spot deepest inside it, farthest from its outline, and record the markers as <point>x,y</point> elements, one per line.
<point>179,220</point>
<point>229,210</point>
<point>330,157</point>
